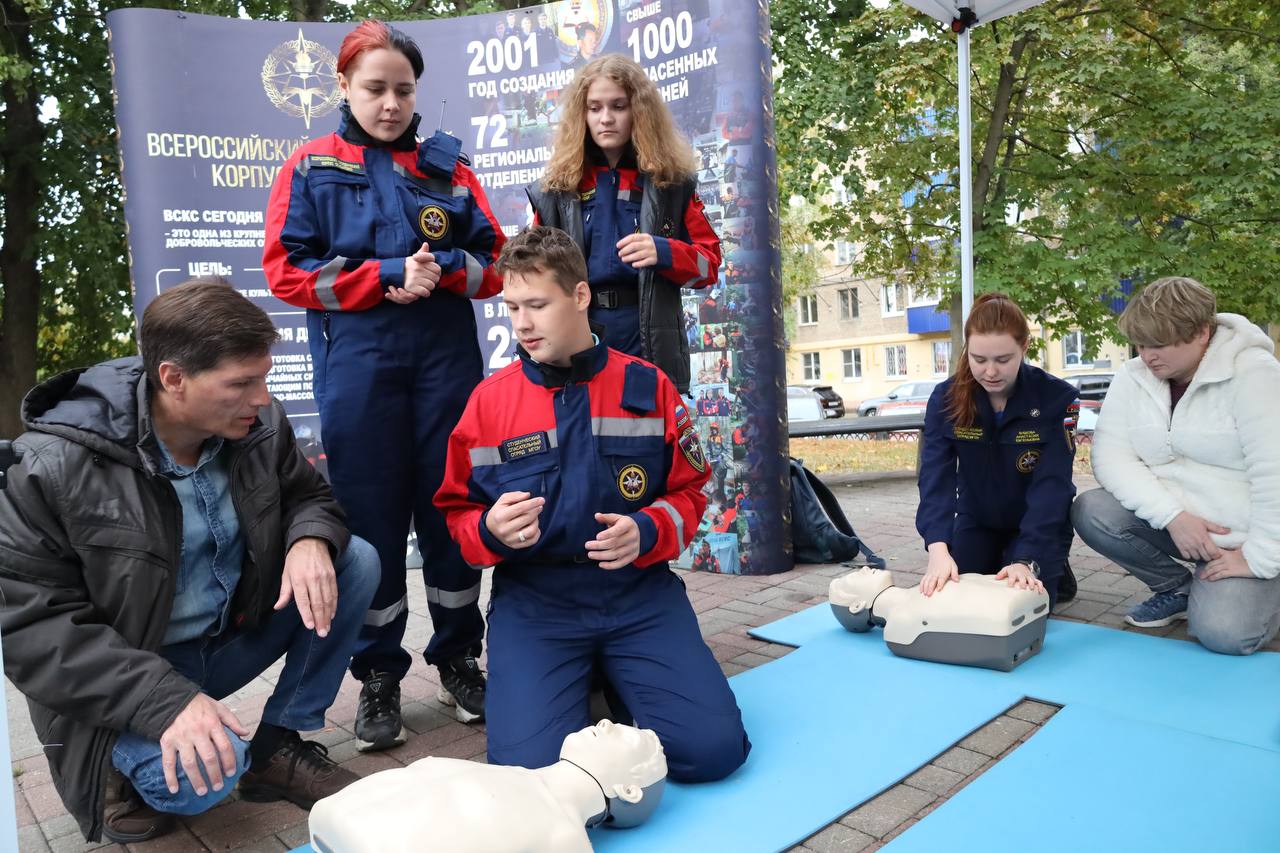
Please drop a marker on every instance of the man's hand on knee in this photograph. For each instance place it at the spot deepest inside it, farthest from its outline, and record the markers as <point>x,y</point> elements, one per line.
<point>1229,564</point>
<point>309,579</point>
<point>197,736</point>
<point>1191,534</point>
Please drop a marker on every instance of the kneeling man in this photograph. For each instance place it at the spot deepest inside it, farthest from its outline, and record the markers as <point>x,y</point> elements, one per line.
<point>1186,453</point>
<point>162,543</point>
<point>577,471</point>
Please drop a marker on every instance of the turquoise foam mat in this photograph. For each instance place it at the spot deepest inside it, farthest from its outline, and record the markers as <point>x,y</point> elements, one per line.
<point>1166,682</point>
<point>1094,780</point>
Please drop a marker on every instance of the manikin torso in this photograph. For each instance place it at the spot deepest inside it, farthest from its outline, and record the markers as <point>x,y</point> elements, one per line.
<point>455,806</point>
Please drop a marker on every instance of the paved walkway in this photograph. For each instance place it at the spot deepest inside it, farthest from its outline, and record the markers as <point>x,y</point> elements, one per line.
<point>881,509</point>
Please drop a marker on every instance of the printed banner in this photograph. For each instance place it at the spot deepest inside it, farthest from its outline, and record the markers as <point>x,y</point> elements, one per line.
<point>210,108</point>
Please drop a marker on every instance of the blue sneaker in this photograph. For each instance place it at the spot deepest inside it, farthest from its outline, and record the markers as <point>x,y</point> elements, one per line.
<point>1161,609</point>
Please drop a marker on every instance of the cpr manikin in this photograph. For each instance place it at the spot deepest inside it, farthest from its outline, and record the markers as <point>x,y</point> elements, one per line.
<point>976,621</point>
<point>607,774</point>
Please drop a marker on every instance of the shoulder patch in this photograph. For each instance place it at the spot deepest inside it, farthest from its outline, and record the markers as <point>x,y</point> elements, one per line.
<point>692,449</point>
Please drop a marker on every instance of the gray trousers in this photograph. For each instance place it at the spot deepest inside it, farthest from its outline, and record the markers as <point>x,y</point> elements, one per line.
<point>1233,616</point>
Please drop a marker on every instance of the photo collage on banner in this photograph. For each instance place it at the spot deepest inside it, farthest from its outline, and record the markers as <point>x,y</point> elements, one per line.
<point>197,181</point>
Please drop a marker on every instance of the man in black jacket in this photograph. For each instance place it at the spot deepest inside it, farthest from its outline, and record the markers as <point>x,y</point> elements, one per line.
<point>162,542</point>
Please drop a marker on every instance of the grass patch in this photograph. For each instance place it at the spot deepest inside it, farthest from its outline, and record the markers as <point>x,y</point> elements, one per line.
<point>844,455</point>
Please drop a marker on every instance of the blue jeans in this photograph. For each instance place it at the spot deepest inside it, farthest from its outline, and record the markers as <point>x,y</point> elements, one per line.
<point>221,665</point>
<point>1233,616</point>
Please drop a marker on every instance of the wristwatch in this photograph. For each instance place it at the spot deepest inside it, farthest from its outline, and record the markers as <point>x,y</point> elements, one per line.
<point>1032,565</point>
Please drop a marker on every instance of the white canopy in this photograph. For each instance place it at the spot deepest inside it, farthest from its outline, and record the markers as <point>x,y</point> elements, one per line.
<point>952,12</point>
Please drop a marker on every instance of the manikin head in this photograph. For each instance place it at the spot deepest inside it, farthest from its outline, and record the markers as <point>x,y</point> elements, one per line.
<point>858,589</point>
<point>628,764</point>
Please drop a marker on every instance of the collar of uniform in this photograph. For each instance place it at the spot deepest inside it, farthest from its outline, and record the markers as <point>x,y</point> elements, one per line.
<point>1019,403</point>
<point>582,367</point>
<point>351,131</point>
<point>596,157</point>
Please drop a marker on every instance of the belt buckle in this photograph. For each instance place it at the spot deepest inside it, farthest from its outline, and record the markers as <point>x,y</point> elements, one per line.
<point>607,298</point>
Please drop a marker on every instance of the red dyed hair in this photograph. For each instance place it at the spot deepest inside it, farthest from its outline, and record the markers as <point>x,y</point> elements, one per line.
<point>376,35</point>
<point>992,314</point>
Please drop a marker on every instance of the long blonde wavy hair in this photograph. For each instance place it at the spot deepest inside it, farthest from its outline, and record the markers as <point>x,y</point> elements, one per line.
<point>662,152</point>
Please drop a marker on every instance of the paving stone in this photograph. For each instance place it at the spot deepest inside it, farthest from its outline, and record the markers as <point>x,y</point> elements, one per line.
<point>880,816</point>
<point>838,838</point>
<point>1032,711</point>
<point>59,827</point>
<point>31,840</point>
<point>751,660</point>
<point>934,779</point>
<point>295,836</point>
<point>996,736</point>
<point>75,843</point>
<point>961,760</point>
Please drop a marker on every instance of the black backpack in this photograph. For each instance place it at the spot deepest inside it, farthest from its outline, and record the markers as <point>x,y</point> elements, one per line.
<point>820,532</point>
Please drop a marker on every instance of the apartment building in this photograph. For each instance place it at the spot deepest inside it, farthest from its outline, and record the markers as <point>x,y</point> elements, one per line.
<point>865,337</point>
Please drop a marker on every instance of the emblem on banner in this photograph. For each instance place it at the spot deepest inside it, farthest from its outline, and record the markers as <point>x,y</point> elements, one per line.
<point>301,79</point>
<point>632,481</point>
<point>433,221</point>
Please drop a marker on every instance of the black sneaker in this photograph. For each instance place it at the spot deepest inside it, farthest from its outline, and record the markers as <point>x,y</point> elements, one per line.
<point>378,718</point>
<point>1066,585</point>
<point>462,686</point>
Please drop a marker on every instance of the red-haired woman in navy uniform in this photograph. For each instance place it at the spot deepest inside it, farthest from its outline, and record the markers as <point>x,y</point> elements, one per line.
<point>385,240</point>
<point>995,467</point>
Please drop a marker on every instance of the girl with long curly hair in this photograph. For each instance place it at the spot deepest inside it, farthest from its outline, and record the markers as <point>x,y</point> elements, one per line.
<point>622,182</point>
<point>995,466</point>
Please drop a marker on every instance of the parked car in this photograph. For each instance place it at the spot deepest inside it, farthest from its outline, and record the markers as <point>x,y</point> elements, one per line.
<point>804,404</point>
<point>1092,386</point>
<point>832,403</point>
<point>915,392</point>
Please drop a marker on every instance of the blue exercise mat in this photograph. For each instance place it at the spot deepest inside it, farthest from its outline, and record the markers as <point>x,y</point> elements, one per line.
<point>1168,682</point>
<point>831,727</point>
<point>1093,780</point>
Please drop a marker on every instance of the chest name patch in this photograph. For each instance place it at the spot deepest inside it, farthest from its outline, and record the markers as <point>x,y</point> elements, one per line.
<point>524,445</point>
<point>1028,461</point>
<point>969,433</point>
<point>1028,436</point>
<point>328,161</point>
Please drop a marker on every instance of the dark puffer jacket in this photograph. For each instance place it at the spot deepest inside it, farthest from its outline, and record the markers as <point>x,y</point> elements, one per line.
<point>90,544</point>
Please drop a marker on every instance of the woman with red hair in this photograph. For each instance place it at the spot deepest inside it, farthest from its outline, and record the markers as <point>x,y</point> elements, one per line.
<point>385,240</point>
<point>995,466</point>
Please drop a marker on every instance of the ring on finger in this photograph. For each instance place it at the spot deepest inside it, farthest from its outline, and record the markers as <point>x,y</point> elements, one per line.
<point>520,535</point>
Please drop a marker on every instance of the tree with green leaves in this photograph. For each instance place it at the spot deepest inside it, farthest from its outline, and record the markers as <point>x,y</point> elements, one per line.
<point>65,298</point>
<point>1117,139</point>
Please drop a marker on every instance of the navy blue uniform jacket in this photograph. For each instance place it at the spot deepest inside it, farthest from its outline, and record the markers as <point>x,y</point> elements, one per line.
<point>1015,476</point>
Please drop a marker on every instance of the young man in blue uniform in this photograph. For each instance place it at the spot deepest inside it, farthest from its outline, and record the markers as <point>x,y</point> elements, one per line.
<point>578,472</point>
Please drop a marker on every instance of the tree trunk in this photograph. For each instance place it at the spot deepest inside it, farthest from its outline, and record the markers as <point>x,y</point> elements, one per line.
<point>21,141</point>
<point>309,10</point>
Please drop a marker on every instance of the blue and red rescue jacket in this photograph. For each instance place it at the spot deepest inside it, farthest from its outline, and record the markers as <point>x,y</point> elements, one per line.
<point>608,434</point>
<point>346,211</point>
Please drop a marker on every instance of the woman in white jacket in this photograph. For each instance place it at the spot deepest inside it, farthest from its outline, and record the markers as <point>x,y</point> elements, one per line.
<point>1188,456</point>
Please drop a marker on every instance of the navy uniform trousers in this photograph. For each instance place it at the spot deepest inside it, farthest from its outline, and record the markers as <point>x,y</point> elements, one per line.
<point>550,624</point>
<point>391,383</point>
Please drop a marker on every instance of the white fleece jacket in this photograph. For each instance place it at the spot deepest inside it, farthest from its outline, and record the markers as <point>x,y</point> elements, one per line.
<point>1218,457</point>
